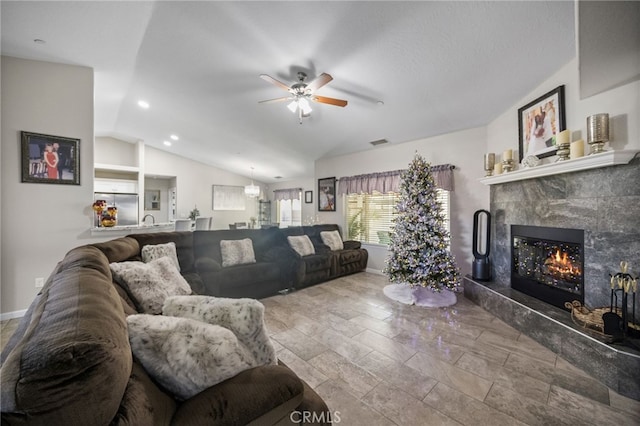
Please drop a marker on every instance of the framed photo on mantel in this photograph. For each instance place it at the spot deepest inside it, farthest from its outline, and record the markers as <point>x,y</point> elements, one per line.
<point>539,122</point>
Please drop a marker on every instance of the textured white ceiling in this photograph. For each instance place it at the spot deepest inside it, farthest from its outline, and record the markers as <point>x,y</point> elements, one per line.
<point>438,66</point>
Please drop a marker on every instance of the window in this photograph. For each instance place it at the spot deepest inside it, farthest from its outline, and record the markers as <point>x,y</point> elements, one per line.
<point>289,213</point>
<point>369,216</point>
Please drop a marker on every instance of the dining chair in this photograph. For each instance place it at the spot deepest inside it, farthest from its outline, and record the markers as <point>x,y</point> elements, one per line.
<point>241,225</point>
<point>203,223</point>
<point>183,225</point>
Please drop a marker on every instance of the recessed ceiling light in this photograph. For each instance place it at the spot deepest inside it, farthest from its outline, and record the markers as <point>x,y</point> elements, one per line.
<point>277,177</point>
<point>174,137</point>
<point>143,104</point>
<point>380,103</point>
<point>167,143</point>
<point>39,41</point>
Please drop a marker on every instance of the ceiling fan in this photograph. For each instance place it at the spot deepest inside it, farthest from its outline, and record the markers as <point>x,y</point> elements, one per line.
<point>300,93</point>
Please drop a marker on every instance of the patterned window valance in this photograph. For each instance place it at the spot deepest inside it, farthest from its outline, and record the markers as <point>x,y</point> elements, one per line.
<point>287,194</point>
<point>390,181</point>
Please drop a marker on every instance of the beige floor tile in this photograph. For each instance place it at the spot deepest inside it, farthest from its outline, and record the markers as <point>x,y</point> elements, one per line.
<point>381,327</point>
<point>547,373</point>
<point>341,371</point>
<point>527,410</point>
<point>465,409</point>
<point>472,346</point>
<point>348,409</point>
<point>459,379</point>
<point>385,345</point>
<point>345,346</point>
<point>526,347</point>
<point>587,410</point>
<point>397,374</point>
<point>403,408</point>
<point>628,405</point>
<point>300,344</point>
<point>303,369</point>
<point>438,348</point>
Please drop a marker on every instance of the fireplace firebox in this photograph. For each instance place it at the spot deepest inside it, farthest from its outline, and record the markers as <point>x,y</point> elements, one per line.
<point>548,263</point>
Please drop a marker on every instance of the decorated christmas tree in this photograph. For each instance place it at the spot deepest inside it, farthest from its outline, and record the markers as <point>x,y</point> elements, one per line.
<point>419,250</point>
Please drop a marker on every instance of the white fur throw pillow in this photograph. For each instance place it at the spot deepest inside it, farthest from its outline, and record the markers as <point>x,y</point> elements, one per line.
<point>302,245</point>
<point>332,239</point>
<point>153,252</point>
<point>237,252</point>
<point>186,356</point>
<point>151,283</point>
<point>245,317</point>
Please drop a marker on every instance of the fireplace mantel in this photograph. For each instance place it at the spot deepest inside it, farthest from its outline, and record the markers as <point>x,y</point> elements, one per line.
<point>605,159</point>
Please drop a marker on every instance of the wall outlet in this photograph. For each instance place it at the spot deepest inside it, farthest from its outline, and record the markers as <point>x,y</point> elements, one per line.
<point>39,282</point>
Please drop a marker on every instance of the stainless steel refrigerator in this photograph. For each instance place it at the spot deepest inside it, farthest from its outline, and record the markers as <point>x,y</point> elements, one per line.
<point>127,205</point>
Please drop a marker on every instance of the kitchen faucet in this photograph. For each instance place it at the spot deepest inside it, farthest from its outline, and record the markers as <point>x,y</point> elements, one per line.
<point>152,218</point>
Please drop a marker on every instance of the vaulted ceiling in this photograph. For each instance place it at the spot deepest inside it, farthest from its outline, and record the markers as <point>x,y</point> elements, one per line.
<point>409,70</point>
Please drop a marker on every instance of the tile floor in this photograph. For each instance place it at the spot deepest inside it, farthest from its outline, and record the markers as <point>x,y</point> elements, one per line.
<point>378,362</point>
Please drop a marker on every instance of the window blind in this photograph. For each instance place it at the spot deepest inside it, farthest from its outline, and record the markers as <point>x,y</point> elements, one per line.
<point>369,216</point>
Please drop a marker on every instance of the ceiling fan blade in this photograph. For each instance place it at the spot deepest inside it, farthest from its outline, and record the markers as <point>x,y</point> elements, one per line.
<point>318,82</point>
<point>275,82</point>
<point>330,101</point>
<point>268,101</point>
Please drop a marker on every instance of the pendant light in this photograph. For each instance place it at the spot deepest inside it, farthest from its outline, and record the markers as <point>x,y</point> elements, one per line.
<point>252,191</point>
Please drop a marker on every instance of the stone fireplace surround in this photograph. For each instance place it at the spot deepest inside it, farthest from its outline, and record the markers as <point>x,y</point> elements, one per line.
<point>605,203</point>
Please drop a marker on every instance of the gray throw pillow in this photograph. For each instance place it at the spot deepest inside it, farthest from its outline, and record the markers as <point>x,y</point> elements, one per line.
<point>237,252</point>
<point>156,251</point>
<point>151,283</point>
<point>186,356</point>
<point>302,245</point>
<point>332,239</point>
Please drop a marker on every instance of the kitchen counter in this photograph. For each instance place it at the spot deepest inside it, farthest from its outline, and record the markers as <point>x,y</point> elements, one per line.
<point>132,229</point>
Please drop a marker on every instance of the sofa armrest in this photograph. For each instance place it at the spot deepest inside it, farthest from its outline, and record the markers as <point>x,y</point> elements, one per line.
<point>269,392</point>
<point>352,245</point>
<point>206,264</point>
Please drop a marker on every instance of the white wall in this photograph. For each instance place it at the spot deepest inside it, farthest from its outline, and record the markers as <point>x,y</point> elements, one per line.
<point>622,104</point>
<point>115,152</point>
<point>162,185</point>
<point>41,222</point>
<point>463,149</point>
<point>195,186</point>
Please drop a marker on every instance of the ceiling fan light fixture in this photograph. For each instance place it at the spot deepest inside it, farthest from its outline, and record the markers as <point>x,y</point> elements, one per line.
<point>304,106</point>
<point>293,106</point>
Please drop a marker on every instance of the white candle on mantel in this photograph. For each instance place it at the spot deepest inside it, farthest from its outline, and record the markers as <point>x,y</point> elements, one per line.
<point>576,149</point>
<point>563,137</point>
<point>507,155</point>
<point>497,168</point>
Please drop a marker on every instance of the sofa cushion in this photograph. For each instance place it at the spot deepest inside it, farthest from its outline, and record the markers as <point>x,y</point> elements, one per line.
<point>186,356</point>
<point>332,239</point>
<point>72,363</point>
<point>272,389</point>
<point>156,251</point>
<point>237,252</point>
<point>244,317</point>
<point>151,283</point>
<point>144,403</point>
<point>301,244</point>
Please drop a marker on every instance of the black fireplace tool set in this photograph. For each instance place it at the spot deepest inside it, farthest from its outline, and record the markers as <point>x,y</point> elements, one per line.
<point>621,326</point>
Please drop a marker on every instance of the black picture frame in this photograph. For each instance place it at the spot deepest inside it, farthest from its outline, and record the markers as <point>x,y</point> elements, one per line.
<point>539,122</point>
<point>327,194</point>
<point>308,197</point>
<point>40,152</point>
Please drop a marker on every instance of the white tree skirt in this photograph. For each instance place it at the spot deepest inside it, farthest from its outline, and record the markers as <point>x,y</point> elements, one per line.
<point>420,296</point>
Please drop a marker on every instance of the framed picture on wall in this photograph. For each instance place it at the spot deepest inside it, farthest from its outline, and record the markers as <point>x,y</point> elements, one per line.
<point>50,159</point>
<point>152,199</point>
<point>539,122</point>
<point>308,197</point>
<point>327,194</point>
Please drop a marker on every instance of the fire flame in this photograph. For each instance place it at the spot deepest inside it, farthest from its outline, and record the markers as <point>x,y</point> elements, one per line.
<point>559,264</point>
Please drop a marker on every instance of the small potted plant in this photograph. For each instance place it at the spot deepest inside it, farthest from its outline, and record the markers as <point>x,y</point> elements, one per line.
<point>194,213</point>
